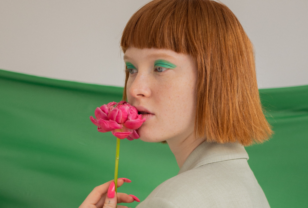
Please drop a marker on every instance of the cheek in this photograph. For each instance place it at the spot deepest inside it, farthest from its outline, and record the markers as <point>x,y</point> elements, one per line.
<point>128,97</point>
<point>178,101</point>
<point>184,106</point>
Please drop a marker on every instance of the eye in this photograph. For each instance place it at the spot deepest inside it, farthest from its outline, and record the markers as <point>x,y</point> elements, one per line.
<point>130,67</point>
<point>160,69</point>
<point>130,71</point>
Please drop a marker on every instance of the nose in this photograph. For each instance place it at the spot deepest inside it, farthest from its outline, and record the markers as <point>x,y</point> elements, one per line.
<point>139,86</point>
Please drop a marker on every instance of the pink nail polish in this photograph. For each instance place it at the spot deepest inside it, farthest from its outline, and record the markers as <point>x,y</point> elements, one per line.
<point>125,180</point>
<point>135,198</point>
<point>111,190</point>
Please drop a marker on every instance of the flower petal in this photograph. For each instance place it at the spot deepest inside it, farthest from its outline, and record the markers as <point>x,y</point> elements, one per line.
<point>122,102</point>
<point>121,135</point>
<point>130,138</point>
<point>122,114</point>
<point>134,135</point>
<point>94,121</point>
<point>109,125</point>
<point>105,109</point>
<point>113,114</point>
<point>132,113</point>
<point>101,130</point>
<point>134,124</point>
<point>140,117</point>
<point>111,105</point>
<point>100,114</point>
<point>118,118</point>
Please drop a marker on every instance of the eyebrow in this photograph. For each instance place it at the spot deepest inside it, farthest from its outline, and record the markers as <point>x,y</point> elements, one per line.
<point>161,55</point>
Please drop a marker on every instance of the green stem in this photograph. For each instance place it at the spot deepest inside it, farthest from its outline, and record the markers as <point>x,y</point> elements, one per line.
<point>116,165</point>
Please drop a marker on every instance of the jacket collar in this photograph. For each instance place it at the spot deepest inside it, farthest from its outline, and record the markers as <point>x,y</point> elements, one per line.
<point>211,152</point>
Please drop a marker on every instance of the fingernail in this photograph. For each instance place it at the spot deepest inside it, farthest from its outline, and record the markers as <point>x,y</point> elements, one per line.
<point>125,180</point>
<point>135,198</point>
<point>111,190</point>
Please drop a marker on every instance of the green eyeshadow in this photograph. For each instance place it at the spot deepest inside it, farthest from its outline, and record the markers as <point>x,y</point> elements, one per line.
<point>130,65</point>
<point>165,64</point>
<point>160,62</point>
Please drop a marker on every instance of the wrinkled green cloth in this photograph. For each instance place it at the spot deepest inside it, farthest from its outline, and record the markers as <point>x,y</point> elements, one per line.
<point>52,156</point>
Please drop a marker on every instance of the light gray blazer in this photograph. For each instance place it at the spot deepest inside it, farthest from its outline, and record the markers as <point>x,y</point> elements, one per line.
<point>213,176</point>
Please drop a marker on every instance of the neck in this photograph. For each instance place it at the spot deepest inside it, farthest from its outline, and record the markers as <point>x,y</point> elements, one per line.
<point>181,148</point>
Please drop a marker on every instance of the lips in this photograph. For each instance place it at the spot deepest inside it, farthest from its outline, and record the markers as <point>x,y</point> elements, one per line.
<point>143,110</point>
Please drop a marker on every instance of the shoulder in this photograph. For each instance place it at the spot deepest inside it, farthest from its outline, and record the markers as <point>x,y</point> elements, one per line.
<point>222,184</point>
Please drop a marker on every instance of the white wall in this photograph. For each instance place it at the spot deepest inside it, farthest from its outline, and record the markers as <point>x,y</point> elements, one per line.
<point>79,40</point>
<point>278,30</point>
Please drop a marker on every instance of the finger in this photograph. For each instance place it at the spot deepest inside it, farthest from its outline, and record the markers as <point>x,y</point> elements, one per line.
<point>126,198</point>
<point>120,183</point>
<point>121,198</point>
<point>111,198</point>
<point>97,193</point>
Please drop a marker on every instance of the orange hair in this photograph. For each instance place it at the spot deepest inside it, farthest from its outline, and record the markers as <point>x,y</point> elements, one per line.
<point>228,103</point>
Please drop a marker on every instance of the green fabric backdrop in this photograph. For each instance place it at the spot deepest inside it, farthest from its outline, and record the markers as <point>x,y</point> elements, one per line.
<point>52,156</point>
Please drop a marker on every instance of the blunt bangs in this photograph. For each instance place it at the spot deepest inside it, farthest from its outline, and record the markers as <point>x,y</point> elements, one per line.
<point>157,26</point>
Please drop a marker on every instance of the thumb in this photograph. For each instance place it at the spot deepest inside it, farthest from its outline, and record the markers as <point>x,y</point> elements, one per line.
<point>111,198</point>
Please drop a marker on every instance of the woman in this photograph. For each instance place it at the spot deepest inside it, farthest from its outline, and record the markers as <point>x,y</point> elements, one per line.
<point>190,66</point>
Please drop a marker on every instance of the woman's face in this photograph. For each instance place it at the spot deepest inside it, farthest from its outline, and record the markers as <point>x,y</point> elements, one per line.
<point>163,82</point>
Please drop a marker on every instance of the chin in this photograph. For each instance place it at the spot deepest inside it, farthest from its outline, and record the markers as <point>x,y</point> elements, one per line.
<point>147,136</point>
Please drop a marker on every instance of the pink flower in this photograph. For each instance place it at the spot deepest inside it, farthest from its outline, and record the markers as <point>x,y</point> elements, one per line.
<point>122,119</point>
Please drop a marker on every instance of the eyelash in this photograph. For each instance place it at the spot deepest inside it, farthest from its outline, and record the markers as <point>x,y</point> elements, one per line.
<point>154,67</point>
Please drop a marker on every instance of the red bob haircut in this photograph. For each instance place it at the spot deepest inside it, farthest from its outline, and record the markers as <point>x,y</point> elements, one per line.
<point>228,103</point>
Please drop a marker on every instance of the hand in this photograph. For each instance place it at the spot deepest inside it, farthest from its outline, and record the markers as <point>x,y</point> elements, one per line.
<point>103,196</point>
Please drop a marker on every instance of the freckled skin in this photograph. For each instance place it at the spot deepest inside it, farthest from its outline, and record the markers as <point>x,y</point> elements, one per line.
<point>170,94</point>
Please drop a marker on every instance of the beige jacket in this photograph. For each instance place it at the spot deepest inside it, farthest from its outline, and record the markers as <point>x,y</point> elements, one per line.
<point>213,176</point>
